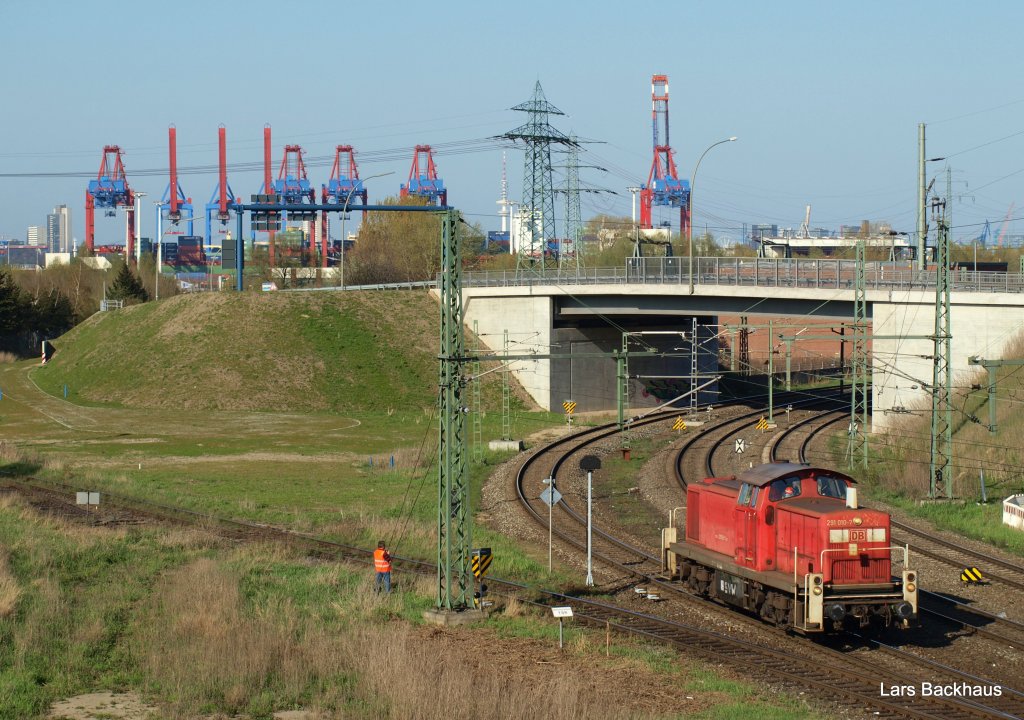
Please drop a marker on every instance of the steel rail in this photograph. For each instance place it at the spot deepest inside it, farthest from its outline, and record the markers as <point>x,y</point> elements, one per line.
<point>768,663</point>
<point>971,624</point>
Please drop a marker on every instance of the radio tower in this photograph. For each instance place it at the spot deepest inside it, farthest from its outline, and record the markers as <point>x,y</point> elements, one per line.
<point>504,203</point>
<point>538,206</point>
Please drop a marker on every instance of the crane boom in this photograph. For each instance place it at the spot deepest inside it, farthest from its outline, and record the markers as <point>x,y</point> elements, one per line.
<point>1006,221</point>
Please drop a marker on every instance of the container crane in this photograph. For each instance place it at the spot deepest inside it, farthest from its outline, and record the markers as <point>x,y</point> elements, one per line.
<point>343,186</point>
<point>174,204</point>
<point>986,234</point>
<point>268,189</point>
<point>294,188</point>
<point>110,190</point>
<point>1006,222</point>
<point>222,196</point>
<point>663,188</point>
<point>423,179</point>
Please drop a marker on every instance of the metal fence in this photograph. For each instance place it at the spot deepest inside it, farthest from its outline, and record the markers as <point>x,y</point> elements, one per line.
<point>751,272</point>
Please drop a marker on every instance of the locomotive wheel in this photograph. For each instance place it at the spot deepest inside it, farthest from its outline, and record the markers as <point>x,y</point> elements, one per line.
<point>699,580</point>
<point>778,609</point>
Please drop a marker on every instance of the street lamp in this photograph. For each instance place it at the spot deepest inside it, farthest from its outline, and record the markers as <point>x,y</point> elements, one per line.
<point>137,204</point>
<point>689,204</point>
<point>344,216</point>
<point>159,246</point>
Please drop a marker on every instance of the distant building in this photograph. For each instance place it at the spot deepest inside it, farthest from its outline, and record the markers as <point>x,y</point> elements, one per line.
<point>58,230</point>
<point>497,242</point>
<point>25,256</point>
<point>52,233</point>
<point>35,236</point>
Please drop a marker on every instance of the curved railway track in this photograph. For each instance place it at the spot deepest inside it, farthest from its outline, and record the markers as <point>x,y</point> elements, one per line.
<point>941,607</point>
<point>1010,573</point>
<point>830,674</point>
<point>855,678</point>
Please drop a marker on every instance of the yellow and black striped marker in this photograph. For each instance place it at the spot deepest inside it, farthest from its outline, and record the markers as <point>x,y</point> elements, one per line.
<point>481,562</point>
<point>679,424</point>
<point>762,425</point>
<point>569,406</point>
<point>971,576</point>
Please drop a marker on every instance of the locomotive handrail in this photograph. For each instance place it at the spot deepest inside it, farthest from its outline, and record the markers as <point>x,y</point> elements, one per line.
<point>889,549</point>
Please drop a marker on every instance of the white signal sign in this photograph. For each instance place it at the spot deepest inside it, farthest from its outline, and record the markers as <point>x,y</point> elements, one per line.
<point>550,496</point>
<point>740,446</point>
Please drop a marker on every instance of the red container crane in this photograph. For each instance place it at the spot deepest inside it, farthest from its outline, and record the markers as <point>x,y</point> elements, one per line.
<point>110,190</point>
<point>663,188</point>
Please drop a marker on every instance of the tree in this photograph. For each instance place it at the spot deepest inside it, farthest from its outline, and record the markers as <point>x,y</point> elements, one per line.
<point>25,319</point>
<point>54,314</point>
<point>396,246</point>
<point>15,307</point>
<point>608,228</point>
<point>612,253</point>
<point>127,287</point>
<point>704,245</point>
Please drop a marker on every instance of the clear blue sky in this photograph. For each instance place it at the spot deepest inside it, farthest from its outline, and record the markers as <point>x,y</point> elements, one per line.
<point>825,98</point>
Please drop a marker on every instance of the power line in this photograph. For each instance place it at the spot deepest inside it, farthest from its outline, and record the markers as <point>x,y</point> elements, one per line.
<point>454,147</point>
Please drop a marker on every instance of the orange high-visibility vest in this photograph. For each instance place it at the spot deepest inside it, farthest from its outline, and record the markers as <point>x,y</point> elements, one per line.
<point>381,560</point>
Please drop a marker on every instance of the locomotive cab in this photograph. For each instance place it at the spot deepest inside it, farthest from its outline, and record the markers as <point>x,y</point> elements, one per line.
<point>789,542</point>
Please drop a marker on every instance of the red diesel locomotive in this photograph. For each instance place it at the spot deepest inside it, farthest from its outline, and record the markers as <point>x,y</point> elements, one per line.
<point>788,542</point>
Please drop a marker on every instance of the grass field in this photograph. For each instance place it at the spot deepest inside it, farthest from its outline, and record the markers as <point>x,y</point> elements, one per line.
<point>200,626</point>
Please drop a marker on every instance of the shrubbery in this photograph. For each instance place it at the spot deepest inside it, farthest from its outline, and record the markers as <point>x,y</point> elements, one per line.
<point>25,319</point>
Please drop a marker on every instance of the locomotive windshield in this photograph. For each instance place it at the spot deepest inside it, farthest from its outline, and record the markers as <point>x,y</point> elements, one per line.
<point>833,487</point>
<point>748,495</point>
<point>787,487</point>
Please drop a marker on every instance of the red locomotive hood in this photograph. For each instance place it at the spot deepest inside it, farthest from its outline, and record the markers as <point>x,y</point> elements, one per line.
<point>859,517</point>
<point>836,511</point>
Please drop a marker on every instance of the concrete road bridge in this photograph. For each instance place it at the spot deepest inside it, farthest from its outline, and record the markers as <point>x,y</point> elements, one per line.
<point>586,312</point>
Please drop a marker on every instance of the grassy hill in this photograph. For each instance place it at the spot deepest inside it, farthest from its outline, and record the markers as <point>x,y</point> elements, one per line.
<point>353,351</point>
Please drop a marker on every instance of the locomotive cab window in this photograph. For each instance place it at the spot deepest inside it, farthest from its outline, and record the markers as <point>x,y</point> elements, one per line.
<point>783,488</point>
<point>832,487</point>
<point>744,496</point>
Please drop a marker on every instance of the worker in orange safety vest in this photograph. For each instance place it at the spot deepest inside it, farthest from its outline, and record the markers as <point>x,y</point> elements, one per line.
<point>382,564</point>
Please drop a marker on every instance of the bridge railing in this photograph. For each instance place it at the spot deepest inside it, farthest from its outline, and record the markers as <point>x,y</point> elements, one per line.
<point>752,272</point>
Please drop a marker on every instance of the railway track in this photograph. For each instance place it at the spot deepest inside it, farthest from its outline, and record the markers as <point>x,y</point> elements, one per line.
<point>1010,574</point>
<point>941,607</point>
<point>531,480</point>
<point>856,679</point>
<point>853,680</point>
